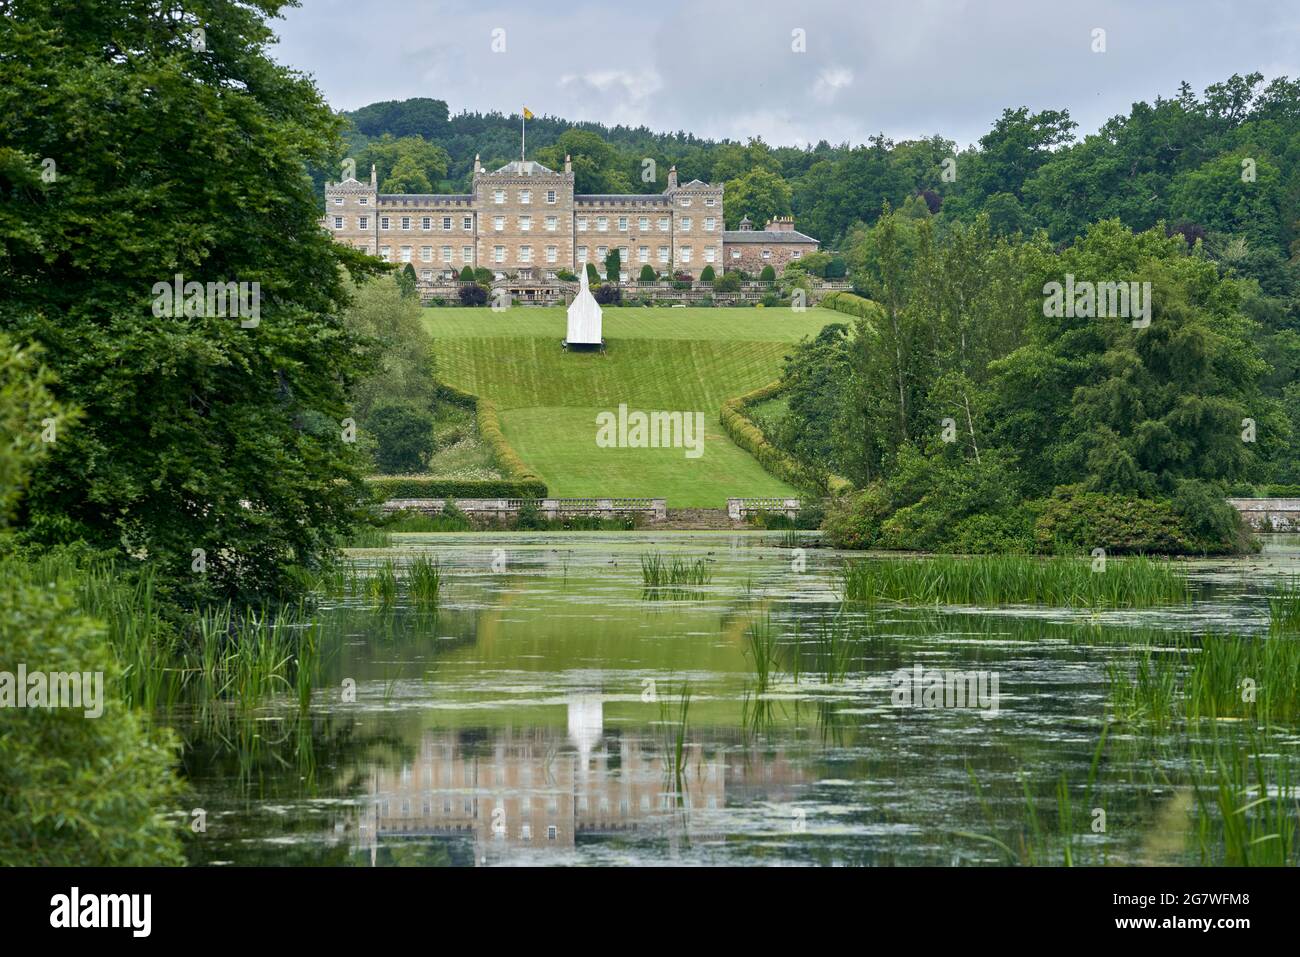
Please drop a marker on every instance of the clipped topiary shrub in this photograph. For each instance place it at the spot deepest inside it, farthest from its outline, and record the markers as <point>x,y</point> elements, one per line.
<point>473,295</point>
<point>849,304</point>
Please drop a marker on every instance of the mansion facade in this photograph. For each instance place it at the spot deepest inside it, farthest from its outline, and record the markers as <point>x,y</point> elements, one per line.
<point>525,222</point>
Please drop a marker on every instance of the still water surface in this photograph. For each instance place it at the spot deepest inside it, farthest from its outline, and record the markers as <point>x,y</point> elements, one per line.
<point>553,712</point>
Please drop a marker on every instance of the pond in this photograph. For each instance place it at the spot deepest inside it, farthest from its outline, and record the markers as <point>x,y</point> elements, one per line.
<point>553,711</point>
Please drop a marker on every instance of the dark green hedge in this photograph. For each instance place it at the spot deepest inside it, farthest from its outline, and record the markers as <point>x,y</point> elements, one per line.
<point>751,438</point>
<point>502,452</point>
<point>400,487</point>
<point>848,303</point>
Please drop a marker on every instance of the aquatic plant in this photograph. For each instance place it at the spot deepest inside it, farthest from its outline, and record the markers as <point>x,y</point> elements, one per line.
<point>424,580</point>
<point>761,650</point>
<point>1248,805</point>
<point>382,583</point>
<point>1242,676</point>
<point>1016,579</point>
<point>658,573</point>
<point>1284,608</point>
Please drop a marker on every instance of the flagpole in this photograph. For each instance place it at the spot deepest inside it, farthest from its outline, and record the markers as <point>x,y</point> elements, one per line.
<point>521,138</point>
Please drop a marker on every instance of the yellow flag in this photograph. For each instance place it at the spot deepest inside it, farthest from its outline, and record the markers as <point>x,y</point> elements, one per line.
<point>528,114</point>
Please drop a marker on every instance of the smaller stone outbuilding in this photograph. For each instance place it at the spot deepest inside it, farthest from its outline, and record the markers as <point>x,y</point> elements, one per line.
<point>777,245</point>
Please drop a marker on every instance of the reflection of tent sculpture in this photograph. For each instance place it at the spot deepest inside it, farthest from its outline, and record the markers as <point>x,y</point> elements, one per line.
<point>584,319</point>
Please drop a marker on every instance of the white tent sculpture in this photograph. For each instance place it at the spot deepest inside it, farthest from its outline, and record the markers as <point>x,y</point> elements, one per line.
<point>584,318</point>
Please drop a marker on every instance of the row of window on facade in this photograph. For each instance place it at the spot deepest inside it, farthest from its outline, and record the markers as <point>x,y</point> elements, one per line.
<point>525,198</point>
<point>525,223</point>
<point>685,254</point>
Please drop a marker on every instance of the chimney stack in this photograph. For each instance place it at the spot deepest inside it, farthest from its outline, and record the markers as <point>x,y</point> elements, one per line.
<point>568,163</point>
<point>672,177</point>
<point>780,224</point>
<point>374,177</point>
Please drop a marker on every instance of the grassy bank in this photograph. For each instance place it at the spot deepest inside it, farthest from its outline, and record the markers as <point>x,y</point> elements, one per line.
<point>678,360</point>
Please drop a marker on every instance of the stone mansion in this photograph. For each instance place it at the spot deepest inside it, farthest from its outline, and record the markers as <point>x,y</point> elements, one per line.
<point>525,223</point>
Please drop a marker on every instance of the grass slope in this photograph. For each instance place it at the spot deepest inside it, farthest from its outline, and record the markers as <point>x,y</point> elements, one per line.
<point>656,359</point>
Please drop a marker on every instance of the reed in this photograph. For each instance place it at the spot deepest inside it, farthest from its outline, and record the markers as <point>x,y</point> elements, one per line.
<point>761,649</point>
<point>424,581</point>
<point>1248,805</point>
<point>1143,688</point>
<point>675,721</point>
<point>832,648</point>
<point>382,584</point>
<point>658,573</point>
<point>1284,608</point>
<point>1245,676</point>
<point>1015,579</point>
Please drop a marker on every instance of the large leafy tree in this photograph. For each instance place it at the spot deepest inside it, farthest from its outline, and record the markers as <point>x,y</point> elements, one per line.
<point>1136,410</point>
<point>142,142</point>
<point>760,195</point>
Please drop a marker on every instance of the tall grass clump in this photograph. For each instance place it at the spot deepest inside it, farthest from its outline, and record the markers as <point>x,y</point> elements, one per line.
<point>1144,689</point>
<point>761,650</point>
<point>1242,676</point>
<point>658,573</point>
<point>1016,579</point>
<point>1248,806</point>
<point>382,585</point>
<point>1284,608</point>
<point>424,580</point>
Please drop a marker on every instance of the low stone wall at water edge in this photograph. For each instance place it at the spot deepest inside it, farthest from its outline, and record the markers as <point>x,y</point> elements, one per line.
<point>741,508</point>
<point>1269,514</point>
<point>652,509</point>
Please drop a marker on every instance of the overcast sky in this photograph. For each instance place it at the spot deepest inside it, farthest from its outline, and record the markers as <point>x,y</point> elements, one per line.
<point>727,68</point>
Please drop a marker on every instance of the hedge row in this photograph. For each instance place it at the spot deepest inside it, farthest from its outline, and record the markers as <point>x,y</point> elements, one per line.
<point>406,487</point>
<point>489,430</point>
<point>750,437</point>
<point>507,459</point>
<point>520,481</point>
<point>850,304</point>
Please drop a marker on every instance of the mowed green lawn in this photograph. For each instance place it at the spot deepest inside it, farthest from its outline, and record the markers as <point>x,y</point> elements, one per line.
<point>673,360</point>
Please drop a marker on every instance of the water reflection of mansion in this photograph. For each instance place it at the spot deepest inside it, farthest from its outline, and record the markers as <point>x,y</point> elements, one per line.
<point>513,792</point>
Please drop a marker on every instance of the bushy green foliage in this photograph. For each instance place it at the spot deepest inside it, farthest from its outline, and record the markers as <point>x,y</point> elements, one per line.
<point>707,274</point>
<point>403,437</point>
<point>1077,520</point>
<point>855,520</point>
<point>727,282</point>
<point>609,294</point>
<point>188,418</point>
<point>853,305</point>
<point>472,295</point>
<point>750,438</point>
<point>75,789</point>
<point>507,459</point>
<point>404,373</point>
<point>768,274</point>
<point>467,273</point>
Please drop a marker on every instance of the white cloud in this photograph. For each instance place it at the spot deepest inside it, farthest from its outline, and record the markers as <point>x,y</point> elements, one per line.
<point>725,67</point>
